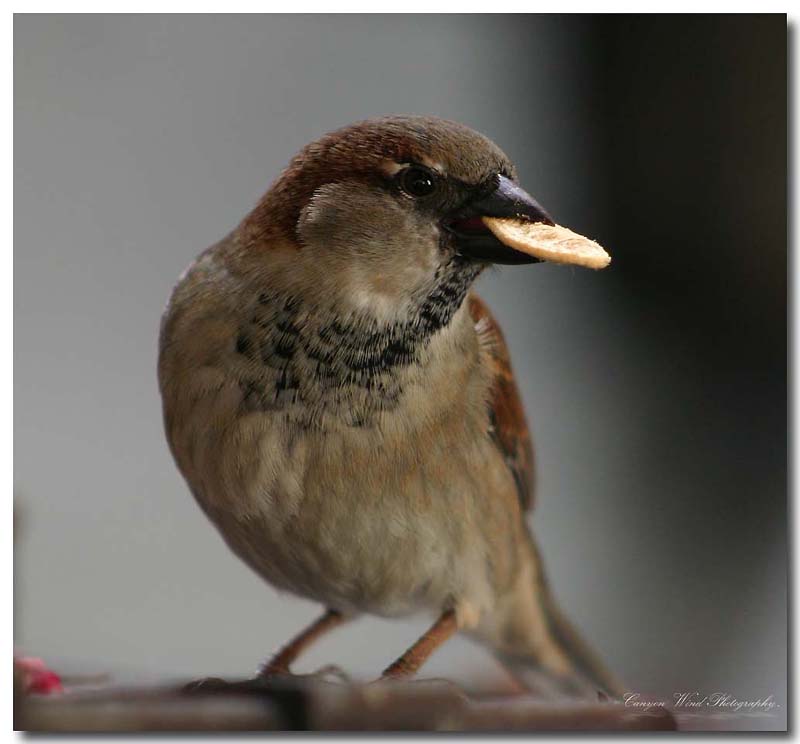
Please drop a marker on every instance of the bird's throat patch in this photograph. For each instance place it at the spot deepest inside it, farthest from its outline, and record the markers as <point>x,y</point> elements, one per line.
<point>294,353</point>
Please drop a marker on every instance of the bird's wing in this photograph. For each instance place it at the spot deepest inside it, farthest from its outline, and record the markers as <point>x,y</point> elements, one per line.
<point>506,414</point>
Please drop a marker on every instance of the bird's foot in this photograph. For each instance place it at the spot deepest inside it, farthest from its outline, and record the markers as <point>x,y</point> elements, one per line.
<point>325,673</point>
<point>331,673</point>
<point>267,678</point>
<point>273,671</point>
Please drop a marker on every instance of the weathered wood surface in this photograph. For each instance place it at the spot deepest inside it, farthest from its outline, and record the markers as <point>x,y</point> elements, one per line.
<point>302,704</point>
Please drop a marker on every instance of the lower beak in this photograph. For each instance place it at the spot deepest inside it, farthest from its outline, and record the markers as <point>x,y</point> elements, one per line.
<point>508,226</point>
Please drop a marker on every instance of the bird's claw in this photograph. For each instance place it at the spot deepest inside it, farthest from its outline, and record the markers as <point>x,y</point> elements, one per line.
<point>218,685</point>
<point>332,671</point>
<point>271,671</point>
<point>206,684</point>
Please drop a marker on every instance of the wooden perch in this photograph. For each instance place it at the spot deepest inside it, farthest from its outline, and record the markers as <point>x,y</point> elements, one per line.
<point>302,704</point>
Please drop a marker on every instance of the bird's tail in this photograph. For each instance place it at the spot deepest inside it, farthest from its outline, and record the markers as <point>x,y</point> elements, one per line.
<point>540,646</point>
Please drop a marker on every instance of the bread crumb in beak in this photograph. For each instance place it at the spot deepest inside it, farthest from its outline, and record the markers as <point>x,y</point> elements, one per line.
<point>548,242</point>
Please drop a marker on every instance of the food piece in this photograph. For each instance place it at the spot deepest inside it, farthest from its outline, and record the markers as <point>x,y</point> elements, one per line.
<point>548,242</point>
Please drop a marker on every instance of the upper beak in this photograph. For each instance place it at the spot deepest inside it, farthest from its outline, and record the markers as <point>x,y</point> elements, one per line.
<point>508,226</point>
<point>474,239</point>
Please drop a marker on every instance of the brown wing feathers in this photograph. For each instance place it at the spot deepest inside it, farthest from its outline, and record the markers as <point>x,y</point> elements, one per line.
<point>506,413</point>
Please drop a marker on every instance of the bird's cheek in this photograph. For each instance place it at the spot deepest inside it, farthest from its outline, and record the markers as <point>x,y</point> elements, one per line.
<point>350,217</point>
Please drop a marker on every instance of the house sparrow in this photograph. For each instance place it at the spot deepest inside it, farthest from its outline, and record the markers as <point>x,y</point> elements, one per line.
<point>342,405</point>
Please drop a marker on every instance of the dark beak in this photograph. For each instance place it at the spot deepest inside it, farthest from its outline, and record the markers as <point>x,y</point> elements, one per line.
<point>475,241</point>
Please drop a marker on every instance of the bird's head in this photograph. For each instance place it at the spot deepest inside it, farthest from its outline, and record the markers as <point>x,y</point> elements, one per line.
<point>378,211</point>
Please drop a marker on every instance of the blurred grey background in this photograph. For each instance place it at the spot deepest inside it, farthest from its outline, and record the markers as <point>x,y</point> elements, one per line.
<point>656,390</point>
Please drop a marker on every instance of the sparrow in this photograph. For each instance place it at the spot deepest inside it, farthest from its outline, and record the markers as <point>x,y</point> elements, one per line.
<point>342,405</point>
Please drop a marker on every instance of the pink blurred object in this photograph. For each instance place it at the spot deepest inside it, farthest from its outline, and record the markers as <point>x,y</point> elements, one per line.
<point>36,677</point>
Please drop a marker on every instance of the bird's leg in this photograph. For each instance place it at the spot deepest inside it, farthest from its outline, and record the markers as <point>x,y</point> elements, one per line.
<point>279,664</point>
<point>408,664</point>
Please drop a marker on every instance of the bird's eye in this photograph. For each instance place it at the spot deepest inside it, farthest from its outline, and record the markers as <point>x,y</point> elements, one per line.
<point>417,182</point>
